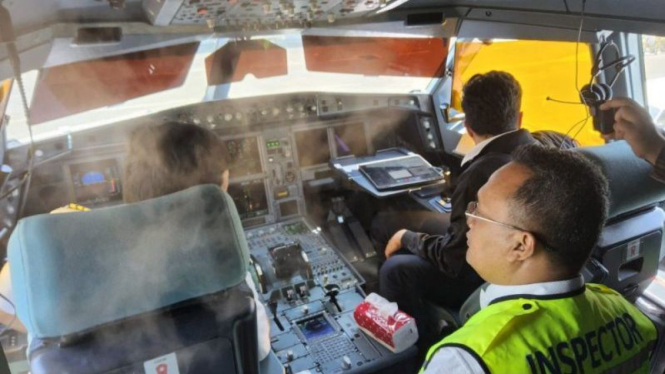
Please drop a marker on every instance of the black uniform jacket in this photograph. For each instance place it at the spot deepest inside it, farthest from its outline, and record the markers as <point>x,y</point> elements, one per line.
<point>448,252</point>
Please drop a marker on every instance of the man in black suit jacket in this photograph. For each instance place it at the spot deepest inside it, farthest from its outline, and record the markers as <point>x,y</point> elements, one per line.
<point>429,267</point>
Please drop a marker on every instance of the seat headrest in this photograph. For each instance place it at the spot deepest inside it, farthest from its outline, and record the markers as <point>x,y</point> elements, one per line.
<point>72,272</point>
<point>631,186</point>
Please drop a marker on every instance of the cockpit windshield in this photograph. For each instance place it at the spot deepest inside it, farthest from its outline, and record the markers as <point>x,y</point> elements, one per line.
<point>102,90</point>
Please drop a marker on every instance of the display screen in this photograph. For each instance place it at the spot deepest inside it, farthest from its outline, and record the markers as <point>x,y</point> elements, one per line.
<point>250,198</point>
<point>312,147</point>
<point>243,156</point>
<point>316,327</point>
<point>96,182</point>
<point>399,174</point>
<point>288,208</point>
<point>350,140</point>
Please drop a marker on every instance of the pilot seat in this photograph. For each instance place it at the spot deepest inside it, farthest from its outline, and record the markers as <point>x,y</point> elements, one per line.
<point>138,288</point>
<point>628,252</point>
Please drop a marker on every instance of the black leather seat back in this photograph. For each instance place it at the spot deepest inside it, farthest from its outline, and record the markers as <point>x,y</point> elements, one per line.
<point>630,245</point>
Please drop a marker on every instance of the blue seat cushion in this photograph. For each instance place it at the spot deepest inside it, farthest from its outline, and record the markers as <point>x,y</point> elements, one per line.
<point>73,272</point>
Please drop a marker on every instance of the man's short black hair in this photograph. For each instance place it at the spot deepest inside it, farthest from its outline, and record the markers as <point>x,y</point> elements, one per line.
<point>491,103</point>
<point>564,202</point>
<point>170,157</point>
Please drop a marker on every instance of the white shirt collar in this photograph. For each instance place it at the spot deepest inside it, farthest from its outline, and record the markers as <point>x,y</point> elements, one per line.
<point>495,291</point>
<point>475,151</point>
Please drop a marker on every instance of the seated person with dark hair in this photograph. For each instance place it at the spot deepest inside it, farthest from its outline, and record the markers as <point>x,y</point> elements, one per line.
<point>553,139</point>
<point>531,231</point>
<point>171,157</point>
<point>433,267</point>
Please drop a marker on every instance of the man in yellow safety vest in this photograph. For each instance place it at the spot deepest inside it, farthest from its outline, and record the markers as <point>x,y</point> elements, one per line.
<point>531,231</point>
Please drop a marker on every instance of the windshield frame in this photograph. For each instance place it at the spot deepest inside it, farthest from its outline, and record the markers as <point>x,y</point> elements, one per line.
<point>99,117</point>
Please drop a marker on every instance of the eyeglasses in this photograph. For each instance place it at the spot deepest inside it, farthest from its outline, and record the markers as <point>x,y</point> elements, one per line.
<point>471,209</point>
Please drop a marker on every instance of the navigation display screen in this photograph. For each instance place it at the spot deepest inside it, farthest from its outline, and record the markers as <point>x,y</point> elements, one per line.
<point>96,182</point>
<point>243,156</point>
<point>250,198</point>
<point>316,327</point>
<point>350,140</point>
<point>313,147</point>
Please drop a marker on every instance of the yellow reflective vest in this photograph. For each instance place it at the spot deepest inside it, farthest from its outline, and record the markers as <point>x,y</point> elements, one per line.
<point>593,330</point>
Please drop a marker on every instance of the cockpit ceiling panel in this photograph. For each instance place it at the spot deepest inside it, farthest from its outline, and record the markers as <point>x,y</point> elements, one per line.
<point>255,15</point>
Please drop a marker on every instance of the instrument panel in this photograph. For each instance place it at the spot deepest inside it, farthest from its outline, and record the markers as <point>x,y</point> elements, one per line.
<point>266,171</point>
<point>311,292</point>
<point>274,146</point>
<point>268,168</point>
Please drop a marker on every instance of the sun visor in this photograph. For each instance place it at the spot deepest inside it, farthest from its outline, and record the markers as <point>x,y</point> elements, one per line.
<point>415,57</point>
<point>78,87</point>
<point>236,60</point>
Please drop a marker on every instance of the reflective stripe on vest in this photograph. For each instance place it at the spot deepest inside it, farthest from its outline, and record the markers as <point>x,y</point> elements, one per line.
<point>593,330</point>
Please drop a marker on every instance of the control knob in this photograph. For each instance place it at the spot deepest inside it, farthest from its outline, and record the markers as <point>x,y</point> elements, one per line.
<point>346,363</point>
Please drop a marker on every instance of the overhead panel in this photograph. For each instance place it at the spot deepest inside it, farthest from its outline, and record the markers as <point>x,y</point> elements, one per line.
<point>252,15</point>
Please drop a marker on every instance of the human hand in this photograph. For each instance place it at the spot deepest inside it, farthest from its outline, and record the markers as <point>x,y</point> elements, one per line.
<point>395,243</point>
<point>634,124</point>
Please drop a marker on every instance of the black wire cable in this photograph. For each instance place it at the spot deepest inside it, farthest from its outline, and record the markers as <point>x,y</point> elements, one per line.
<point>9,326</point>
<point>577,87</point>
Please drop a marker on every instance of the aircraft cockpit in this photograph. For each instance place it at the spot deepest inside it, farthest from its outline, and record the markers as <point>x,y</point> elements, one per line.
<point>327,112</point>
